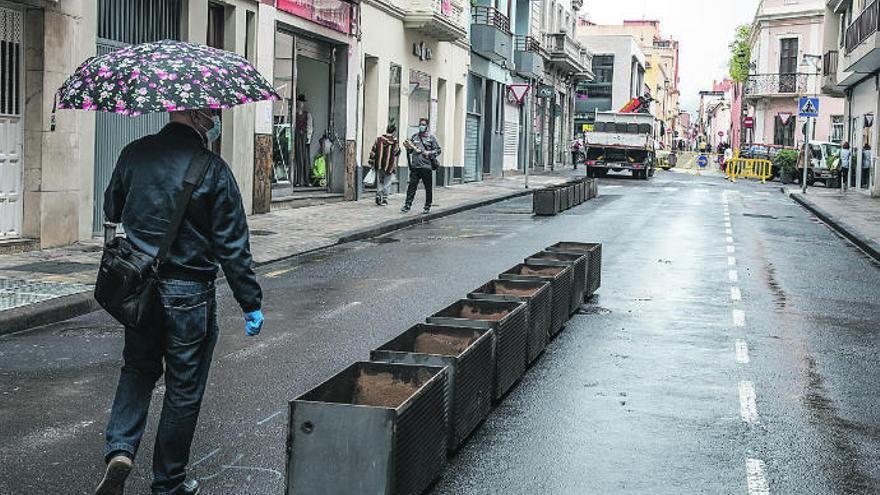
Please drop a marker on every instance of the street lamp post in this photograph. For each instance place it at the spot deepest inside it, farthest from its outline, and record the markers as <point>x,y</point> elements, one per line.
<point>811,61</point>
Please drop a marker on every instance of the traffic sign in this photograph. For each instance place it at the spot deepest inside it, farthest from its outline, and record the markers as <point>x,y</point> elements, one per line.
<point>749,122</point>
<point>519,92</point>
<point>702,161</point>
<point>809,107</point>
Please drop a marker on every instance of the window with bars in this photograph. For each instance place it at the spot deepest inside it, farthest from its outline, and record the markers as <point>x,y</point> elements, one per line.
<point>10,61</point>
<point>139,21</point>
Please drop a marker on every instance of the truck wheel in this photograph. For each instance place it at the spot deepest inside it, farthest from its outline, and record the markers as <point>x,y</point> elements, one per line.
<point>602,173</point>
<point>636,174</point>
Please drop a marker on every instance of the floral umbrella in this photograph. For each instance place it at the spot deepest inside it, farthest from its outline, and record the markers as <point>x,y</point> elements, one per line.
<point>163,76</point>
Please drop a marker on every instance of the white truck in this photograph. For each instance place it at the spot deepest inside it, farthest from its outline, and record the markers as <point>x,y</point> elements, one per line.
<point>622,141</point>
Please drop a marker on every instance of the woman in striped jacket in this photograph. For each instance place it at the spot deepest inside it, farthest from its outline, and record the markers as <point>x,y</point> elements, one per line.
<point>383,159</point>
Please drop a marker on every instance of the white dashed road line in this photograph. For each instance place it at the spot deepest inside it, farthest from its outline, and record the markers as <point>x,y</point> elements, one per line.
<point>739,318</point>
<point>733,276</point>
<point>731,249</point>
<point>735,294</point>
<point>756,478</point>
<point>729,240</point>
<point>748,407</point>
<point>731,261</point>
<point>742,352</point>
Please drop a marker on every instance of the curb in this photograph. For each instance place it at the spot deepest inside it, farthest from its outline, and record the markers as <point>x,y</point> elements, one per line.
<point>416,219</point>
<point>67,307</point>
<point>46,312</point>
<point>869,246</point>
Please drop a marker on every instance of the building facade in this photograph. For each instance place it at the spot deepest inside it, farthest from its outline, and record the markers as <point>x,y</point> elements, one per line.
<point>619,76</point>
<point>786,41</point>
<point>851,69</point>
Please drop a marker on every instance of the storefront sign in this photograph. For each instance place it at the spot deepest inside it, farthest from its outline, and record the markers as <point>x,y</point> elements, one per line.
<point>334,14</point>
<point>587,127</point>
<point>545,91</point>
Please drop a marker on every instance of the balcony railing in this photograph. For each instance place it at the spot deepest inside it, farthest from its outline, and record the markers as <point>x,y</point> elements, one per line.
<point>438,19</point>
<point>490,16</point>
<point>526,44</point>
<point>562,43</point>
<point>829,63</point>
<point>866,24</point>
<point>776,84</point>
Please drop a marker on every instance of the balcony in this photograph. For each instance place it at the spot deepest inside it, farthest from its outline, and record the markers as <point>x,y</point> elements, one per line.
<point>442,20</point>
<point>527,56</point>
<point>830,66</point>
<point>567,55</point>
<point>775,85</point>
<point>490,34</point>
<point>863,41</point>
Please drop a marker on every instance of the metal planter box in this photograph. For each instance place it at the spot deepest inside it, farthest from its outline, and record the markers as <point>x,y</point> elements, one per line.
<point>537,295</point>
<point>572,199</point>
<point>467,354</point>
<point>577,261</point>
<point>593,250</point>
<point>594,188</point>
<point>374,428</point>
<point>563,198</point>
<point>561,279</point>
<point>509,320</point>
<point>545,202</point>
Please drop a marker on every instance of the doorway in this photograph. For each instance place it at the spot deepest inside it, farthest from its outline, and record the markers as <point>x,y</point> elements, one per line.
<point>11,123</point>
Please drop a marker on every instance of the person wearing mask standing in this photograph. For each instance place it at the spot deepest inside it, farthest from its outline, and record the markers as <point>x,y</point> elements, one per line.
<point>867,159</point>
<point>422,151</point>
<point>383,159</point>
<point>180,340</point>
<point>303,129</point>
<point>845,165</point>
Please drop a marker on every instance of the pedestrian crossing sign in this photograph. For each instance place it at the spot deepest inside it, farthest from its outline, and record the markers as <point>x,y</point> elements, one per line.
<point>809,107</point>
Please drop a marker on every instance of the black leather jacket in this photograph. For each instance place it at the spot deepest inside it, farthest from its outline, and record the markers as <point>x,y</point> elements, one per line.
<point>148,176</point>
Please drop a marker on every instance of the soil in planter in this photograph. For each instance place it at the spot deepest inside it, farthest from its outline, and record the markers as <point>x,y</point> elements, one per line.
<point>382,390</point>
<point>474,313</point>
<point>442,345</point>
<point>547,271</point>
<point>514,291</point>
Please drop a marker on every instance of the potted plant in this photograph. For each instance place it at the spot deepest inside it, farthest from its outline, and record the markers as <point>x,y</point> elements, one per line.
<point>786,160</point>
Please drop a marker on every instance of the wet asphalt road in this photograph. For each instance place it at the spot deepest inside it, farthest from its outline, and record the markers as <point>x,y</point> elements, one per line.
<point>671,381</point>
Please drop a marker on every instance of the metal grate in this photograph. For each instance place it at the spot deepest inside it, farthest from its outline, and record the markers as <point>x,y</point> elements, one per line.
<point>10,61</point>
<point>15,293</point>
<point>139,21</point>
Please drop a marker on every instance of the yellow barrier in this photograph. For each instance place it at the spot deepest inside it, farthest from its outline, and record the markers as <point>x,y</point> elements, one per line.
<point>749,168</point>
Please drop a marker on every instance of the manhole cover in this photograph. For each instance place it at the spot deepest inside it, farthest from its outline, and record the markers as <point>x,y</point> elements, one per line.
<point>262,232</point>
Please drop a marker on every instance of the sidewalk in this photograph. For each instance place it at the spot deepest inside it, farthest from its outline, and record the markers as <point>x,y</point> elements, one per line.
<point>40,287</point>
<point>854,215</point>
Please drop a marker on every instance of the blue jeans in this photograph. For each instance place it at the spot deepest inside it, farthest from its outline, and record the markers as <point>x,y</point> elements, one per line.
<point>383,184</point>
<point>183,337</point>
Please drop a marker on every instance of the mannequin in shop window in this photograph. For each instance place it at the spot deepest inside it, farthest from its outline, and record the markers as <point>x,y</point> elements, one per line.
<point>302,143</point>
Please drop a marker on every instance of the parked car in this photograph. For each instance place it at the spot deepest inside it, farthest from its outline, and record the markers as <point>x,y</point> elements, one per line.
<point>824,164</point>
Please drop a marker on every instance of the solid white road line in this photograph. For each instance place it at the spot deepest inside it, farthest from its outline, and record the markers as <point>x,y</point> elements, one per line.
<point>731,249</point>
<point>742,352</point>
<point>731,261</point>
<point>733,276</point>
<point>748,408</point>
<point>739,318</point>
<point>756,477</point>
<point>735,294</point>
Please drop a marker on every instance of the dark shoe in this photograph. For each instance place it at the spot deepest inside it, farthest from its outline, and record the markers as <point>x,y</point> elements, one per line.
<point>426,210</point>
<point>405,209</point>
<point>189,487</point>
<point>384,201</point>
<point>378,201</point>
<point>117,472</point>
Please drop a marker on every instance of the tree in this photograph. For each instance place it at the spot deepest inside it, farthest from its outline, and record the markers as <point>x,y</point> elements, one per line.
<point>740,53</point>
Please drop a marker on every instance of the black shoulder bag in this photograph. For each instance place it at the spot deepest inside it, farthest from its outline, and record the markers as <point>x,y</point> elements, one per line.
<point>128,278</point>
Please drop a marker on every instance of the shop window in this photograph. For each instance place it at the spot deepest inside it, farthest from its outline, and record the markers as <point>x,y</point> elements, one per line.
<point>394,96</point>
<point>282,109</point>
<point>783,131</point>
<point>419,99</point>
<point>475,95</point>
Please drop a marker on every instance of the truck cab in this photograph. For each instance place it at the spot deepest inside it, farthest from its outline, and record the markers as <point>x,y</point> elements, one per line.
<point>621,142</point>
<point>824,164</point>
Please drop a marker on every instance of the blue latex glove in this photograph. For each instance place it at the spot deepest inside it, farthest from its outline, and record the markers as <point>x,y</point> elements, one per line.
<point>253,323</point>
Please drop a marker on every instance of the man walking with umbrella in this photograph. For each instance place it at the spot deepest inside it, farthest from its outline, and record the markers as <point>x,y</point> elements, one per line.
<point>181,208</point>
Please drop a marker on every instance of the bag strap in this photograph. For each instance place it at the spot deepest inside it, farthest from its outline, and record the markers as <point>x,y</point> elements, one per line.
<point>195,174</point>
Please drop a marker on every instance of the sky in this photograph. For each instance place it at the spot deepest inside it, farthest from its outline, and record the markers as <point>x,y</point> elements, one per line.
<point>703,28</point>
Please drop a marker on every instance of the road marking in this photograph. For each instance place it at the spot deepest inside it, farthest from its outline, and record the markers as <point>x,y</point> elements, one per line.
<point>269,417</point>
<point>341,309</point>
<point>748,408</point>
<point>735,294</point>
<point>731,261</point>
<point>278,273</point>
<point>205,457</point>
<point>728,231</point>
<point>742,352</point>
<point>733,276</point>
<point>729,240</point>
<point>727,225</point>
<point>755,477</point>
<point>731,249</point>
<point>739,318</point>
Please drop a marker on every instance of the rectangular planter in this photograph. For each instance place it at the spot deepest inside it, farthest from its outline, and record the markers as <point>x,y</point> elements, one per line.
<point>561,279</point>
<point>582,185</point>
<point>545,202</point>
<point>537,295</point>
<point>467,354</point>
<point>373,428</point>
<point>578,262</point>
<point>509,320</point>
<point>572,197</point>
<point>593,250</point>
<point>594,188</point>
